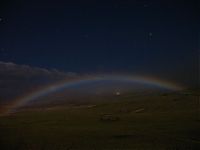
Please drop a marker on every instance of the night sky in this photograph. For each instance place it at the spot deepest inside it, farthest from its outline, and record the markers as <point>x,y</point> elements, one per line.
<point>137,36</point>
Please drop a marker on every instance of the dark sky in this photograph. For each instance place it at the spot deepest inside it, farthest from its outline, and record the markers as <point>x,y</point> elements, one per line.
<point>136,36</point>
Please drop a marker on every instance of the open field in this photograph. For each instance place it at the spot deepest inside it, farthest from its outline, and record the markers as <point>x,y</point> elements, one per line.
<point>161,121</point>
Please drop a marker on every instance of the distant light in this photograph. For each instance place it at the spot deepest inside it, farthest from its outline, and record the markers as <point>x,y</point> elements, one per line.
<point>118,93</point>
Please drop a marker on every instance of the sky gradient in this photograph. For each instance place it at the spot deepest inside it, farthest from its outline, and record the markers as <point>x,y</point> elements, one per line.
<point>158,38</point>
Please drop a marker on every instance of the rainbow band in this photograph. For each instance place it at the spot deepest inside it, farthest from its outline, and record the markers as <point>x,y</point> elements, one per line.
<point>66,83</point>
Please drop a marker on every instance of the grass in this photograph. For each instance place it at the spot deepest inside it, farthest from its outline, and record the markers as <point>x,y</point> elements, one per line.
<point>168,122</point>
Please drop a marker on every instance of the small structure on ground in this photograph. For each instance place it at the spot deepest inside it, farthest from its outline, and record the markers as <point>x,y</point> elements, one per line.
<point>139,110</point>
<point>109,117</point>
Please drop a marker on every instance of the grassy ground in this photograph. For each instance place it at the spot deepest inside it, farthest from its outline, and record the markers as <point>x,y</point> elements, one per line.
<point>163,121</point>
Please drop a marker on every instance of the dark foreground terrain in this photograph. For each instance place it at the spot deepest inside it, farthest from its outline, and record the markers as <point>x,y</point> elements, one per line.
<point>160,121</point>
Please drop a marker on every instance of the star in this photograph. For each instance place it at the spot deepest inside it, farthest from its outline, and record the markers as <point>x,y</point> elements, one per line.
<point>150,35</point>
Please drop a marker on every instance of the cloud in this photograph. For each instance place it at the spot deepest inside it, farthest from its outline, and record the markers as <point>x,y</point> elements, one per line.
<point>16,80</point>
<point>8,69</point>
